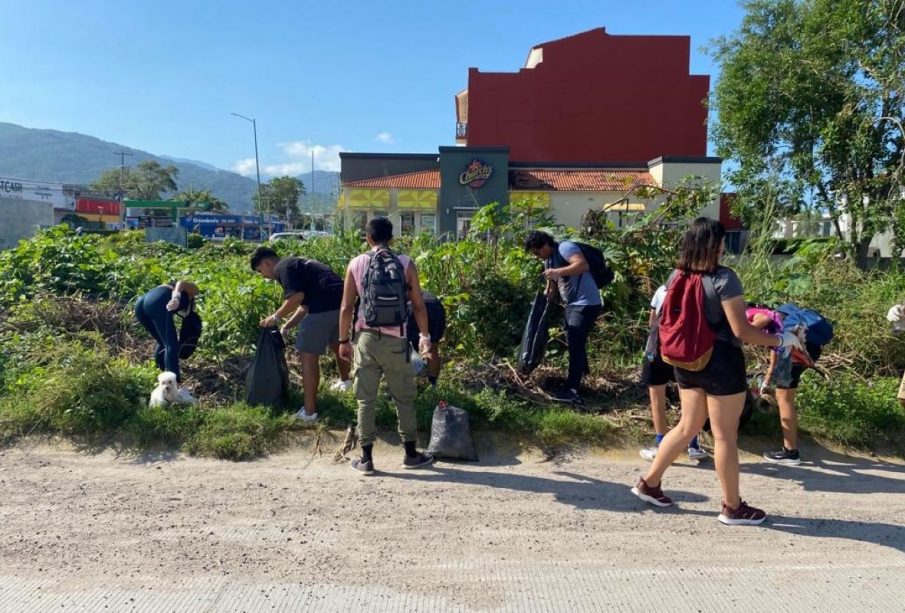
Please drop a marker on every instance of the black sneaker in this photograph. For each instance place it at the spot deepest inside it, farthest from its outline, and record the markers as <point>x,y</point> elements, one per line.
<point>363,467</point>
<point>569,397</point>
<point>787,457</point>
<point>414,461</point>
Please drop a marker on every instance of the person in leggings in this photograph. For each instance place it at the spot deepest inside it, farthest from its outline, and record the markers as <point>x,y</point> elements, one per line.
<point>157,311</point>
<point>719,388</point>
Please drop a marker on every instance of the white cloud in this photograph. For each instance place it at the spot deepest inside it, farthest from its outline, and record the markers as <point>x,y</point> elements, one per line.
<point>386,138</point>
<point>296,160</point>
<point>245,167</point>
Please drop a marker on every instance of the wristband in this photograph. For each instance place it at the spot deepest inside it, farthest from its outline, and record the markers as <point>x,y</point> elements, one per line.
<point>343,342</point>
<point>425,337</point>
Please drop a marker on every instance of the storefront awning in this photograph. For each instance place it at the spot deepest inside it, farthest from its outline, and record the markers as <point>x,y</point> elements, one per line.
<point>625,207</point>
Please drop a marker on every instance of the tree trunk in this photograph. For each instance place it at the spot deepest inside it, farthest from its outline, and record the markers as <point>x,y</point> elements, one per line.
<point>861,250</point>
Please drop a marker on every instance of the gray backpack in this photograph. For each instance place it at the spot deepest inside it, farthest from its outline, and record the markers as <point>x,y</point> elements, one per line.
<point>384,291</point>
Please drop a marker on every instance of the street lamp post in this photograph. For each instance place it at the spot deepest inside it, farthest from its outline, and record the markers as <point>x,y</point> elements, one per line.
<point>254,127</point>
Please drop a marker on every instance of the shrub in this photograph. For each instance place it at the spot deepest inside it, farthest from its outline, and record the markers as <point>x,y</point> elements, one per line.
<point>853,412</point>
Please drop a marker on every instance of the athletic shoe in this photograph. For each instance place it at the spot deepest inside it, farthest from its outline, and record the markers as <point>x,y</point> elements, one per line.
<point>787,457</point>
<point>696,453</point>
<point>569,397</point>
<point>341,386</point>
<point>417,460</point>
<point>742,516</point>
<point>184,396</point>
<point>301,415</point>
<point>653,495</point>
<point>648,453</point>
<point>360,466</point>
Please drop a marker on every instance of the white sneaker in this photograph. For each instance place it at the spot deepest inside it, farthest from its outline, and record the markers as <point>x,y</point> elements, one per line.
<point>341,386</point>
<point>185,397</point>
<point>301,415</point>
<point>696,453</point>
<point>648,453</point>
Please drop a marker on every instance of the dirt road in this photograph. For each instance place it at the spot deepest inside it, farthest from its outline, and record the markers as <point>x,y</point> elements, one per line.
<point>98,531</point>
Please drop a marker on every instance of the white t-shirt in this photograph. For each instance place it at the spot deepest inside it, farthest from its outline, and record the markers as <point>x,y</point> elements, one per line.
<point>656,303</point>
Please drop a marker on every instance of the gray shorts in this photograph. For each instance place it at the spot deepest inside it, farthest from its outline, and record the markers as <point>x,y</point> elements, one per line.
<point>317,331</point>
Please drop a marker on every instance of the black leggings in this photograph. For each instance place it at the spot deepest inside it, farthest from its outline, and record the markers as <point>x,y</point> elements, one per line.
<point>579,321</point>
<point>151,311</point>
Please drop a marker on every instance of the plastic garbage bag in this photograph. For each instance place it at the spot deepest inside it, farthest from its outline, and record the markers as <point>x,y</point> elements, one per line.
<point>267,381</point>
<point>535,336</point>
<point>451,434</point>
<point>419,366</point>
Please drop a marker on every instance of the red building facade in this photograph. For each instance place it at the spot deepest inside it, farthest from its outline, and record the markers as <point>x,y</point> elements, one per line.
<point>592,98</point>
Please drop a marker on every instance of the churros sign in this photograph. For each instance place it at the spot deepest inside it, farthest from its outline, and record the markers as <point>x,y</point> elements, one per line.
<point>476,174</point>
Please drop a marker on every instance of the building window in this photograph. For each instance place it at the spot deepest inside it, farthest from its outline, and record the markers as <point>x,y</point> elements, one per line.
<point>428,223</point>
<point>359,220</point>
<point>407,223</point>
<point>463,223</point>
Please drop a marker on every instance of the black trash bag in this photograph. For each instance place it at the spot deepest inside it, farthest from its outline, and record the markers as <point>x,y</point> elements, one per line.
<point>267,381</point>
<point>451,434</point>
<point>535,337</point>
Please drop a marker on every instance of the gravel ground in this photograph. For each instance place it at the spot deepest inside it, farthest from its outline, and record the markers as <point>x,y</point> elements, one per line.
<point>104,531</point>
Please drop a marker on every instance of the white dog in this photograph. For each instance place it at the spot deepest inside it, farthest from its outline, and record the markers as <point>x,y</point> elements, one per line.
<point>166,392</point>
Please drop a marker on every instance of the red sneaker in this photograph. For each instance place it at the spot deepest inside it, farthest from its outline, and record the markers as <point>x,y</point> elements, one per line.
<point>742,516</point>
<point>653,495</point>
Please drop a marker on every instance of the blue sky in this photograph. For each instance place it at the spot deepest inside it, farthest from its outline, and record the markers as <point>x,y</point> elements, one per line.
<point>163,76</point>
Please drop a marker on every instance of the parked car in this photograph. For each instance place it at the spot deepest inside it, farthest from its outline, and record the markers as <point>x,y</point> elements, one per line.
<point>299,235</point>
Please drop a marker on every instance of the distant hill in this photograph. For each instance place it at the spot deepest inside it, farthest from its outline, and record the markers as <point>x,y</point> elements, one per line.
<point>69,157</point>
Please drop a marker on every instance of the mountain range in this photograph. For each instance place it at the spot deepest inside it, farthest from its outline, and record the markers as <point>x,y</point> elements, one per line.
<point>70,157</point>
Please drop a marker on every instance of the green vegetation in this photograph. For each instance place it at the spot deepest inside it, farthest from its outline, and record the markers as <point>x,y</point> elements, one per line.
<point>74,362</point>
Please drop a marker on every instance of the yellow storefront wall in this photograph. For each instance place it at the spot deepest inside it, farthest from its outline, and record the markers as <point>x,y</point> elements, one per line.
<point>366,198</point>
<point>416,200</point>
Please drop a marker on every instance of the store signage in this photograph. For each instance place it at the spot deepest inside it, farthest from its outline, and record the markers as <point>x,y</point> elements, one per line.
<point>35,191</point>
<point>476,174</point>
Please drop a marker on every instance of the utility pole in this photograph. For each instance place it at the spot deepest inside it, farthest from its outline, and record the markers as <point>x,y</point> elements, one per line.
<point>254,127</point>
<point>311,192</point>
<point>122,172</point>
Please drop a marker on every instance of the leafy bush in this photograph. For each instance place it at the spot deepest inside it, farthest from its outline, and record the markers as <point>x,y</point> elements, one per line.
<point>76,389</point>
<point>853,412</point>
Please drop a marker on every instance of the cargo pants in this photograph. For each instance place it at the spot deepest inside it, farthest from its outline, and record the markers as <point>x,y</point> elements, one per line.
<point>381,355</point>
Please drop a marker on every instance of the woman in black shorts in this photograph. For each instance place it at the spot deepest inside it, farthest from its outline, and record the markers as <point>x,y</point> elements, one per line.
<point>719,389</point>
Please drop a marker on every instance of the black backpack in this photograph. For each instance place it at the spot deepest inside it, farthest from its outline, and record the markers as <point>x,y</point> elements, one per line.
<point>383,300</point>
<point>603,275</point>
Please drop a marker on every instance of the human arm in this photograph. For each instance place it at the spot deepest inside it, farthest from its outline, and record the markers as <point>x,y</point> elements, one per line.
<point>346,312</point>
<point>294,320</point>
<point>290,304</point>
<point>182,287</point>
<point>419,311</point>
<point>734,309</point>
<point>576,266</point>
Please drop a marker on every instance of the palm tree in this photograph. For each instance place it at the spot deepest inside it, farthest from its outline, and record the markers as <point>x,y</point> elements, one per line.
<point>202,200</point>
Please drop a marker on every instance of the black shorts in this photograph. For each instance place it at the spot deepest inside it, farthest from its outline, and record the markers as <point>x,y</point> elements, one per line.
<point>657,372</point>
<point>724,375</point>
<point>797,369</point>
<point>436,324</point>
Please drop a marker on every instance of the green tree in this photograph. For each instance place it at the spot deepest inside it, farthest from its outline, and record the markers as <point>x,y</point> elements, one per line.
<point>281,197</point>
<point>146,181</point>
<point>810,106</point>
<point>202,200</point>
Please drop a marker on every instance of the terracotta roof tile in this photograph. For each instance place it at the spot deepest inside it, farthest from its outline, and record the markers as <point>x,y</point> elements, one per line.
<point>423,179</point>
<point>596,180</point>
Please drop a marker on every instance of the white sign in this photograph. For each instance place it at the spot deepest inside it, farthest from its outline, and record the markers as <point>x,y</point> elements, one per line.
<point>35,191</point>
